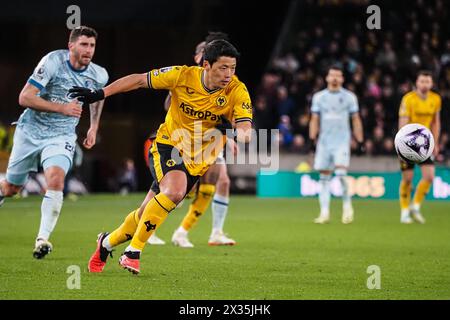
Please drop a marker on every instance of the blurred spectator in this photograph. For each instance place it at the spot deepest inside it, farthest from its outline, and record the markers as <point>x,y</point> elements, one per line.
<point>369,147</point>
<point>287,63</point>
<point>128,178</point>
<point>285,128</point>
<point>286,105</point>
<point>445,57</point>
<point>266,101</point>
<point>299,144</point>
<point>387,57</point>
<point>388,146</point>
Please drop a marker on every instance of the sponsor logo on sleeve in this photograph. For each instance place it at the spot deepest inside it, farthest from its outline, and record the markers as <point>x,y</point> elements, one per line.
<point>166,69</point>
<point>40,73</point>
<point>247,106</point>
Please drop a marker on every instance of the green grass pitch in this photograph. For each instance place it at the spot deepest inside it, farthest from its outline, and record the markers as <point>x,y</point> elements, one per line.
<point>280,253</point>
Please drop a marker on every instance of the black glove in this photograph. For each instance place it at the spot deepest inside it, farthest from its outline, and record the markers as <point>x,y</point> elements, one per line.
<point>226,128</point>
<point>86,95</point>
<point>360,149</point>
<point>312,146</point>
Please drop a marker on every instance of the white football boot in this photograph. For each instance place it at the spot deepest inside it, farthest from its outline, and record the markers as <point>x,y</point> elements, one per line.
<point>155,240</point>
<point>322,219</point>
<point>180,239</point>
<point>405,217</point>
<point>218,238</point>
<point>416,215</point>
<point>347,215</point>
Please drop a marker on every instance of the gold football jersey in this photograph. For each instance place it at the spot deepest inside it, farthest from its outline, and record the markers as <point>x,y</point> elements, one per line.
<point>195,111</point>
<point>420,110</point>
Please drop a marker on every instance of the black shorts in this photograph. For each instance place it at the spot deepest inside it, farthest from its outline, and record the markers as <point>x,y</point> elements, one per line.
<point>166,159</point>
<point>410,165</point>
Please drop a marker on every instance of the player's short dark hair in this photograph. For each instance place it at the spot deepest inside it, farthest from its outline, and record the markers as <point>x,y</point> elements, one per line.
<point>219,48</point>
<point>82,31</point>
<point>209,38</point>
<point>335,67</point>
<point>216,36</point>
<point>425,73</point>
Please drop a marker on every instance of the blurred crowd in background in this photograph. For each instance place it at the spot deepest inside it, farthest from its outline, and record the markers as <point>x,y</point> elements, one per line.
<point>380,66</point>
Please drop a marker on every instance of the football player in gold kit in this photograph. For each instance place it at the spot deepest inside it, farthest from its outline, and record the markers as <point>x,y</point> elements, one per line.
<point>187,143</point>
<point>419,106</point>
<point>213,186</point>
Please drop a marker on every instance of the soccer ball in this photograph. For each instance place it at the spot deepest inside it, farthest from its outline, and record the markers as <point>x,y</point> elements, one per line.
<point>414,143</point>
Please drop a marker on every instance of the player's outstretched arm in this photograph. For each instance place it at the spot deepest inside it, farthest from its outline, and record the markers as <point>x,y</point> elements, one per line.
<point>244,131</point>
<point>125,84</point>
<point>29,98</point>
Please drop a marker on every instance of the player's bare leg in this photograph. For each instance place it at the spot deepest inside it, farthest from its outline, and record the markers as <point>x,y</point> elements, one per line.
<point>324,197</point>
<point>220,208</point>
<point>197,208</point>
<point>428,173</point>
<point>405,196</point>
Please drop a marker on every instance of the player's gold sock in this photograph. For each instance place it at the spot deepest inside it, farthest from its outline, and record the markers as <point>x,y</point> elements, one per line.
<point>405,194</point>
<point>199,205</point>
<point>126,230</point>
<point>421,191</point>
<point>154,214</point>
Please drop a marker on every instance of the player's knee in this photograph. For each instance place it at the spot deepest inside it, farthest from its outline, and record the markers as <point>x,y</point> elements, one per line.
<point>55,183</point>
<point>429,179</point>
<point>10,190</point>
<point>223,183</point>
<point>211,177</point>
<point>54,177</point>
<point>176,195</point>
<point>407,181</point>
